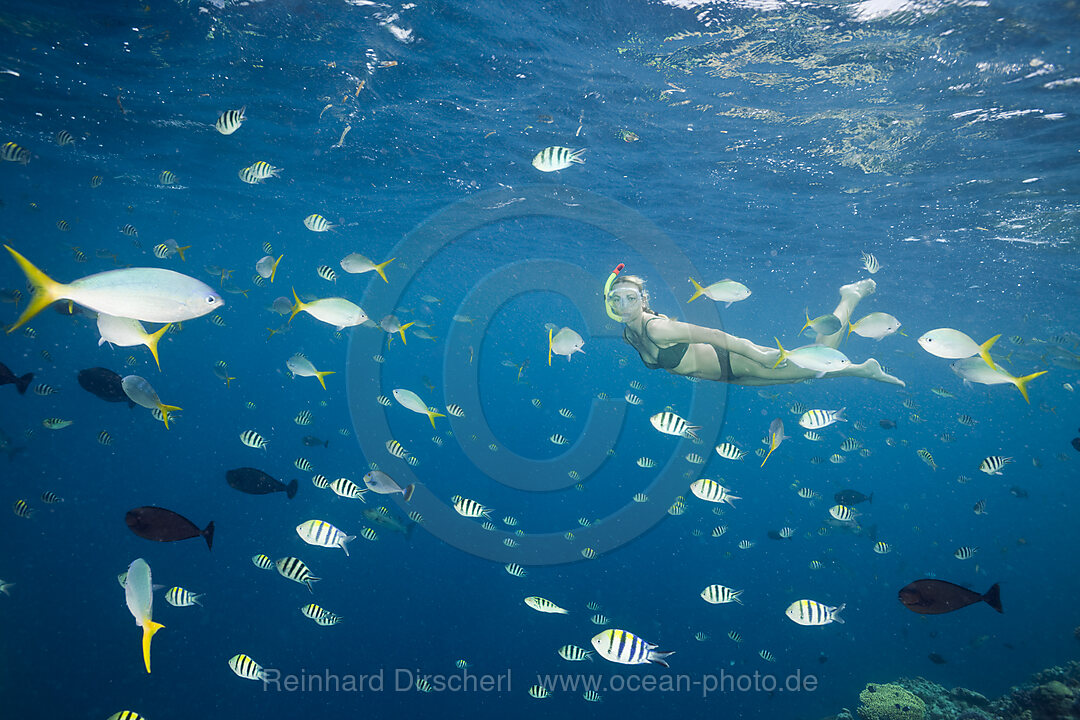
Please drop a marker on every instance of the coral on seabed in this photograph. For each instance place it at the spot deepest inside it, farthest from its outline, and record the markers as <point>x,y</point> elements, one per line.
<point>1053,694</point>
<point>889,702</point>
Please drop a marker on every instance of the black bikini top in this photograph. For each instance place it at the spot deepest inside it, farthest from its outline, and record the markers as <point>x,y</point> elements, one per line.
<point>667,358</point>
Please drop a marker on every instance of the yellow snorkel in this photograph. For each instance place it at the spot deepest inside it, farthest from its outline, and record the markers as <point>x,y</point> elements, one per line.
<point>607,288</point>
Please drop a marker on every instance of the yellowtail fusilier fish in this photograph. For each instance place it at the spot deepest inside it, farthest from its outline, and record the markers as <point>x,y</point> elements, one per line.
<point>335,311</point>
<point>625,648</point>
<point>139,594</point>
<point>142,393</point>
<point>823,324</point>
<point>323,534</point>
<point>875,326</point>
<point>819,359</point>
<point>148,294</point>
<point>974,370</point>
<point>301,366</point>
<point>126,332</point>
<point>392,325</point>
<point>776,436</point>
<point>355,263</point>
<point>555,158</point>
<point>810,612</point>
<point>955,345</point>
<point>564,342</point>
<point>267,266</point>
<point>411,401</point>
<point>725,291</point>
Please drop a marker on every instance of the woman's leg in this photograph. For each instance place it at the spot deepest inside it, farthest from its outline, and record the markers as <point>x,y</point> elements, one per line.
<point>850,295</point>
<point>748,372</point>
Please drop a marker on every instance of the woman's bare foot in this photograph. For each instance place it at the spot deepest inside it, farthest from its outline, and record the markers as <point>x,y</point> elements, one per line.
<point>872,370</point>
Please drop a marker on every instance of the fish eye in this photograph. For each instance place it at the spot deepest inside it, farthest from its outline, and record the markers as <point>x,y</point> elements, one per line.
<point>211,299</point>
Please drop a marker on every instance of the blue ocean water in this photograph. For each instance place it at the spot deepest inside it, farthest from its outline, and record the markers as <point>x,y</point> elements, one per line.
<point>771,143</point>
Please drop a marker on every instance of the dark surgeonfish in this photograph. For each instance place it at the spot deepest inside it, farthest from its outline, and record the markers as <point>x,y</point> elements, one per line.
<point>104,383</point>
<point>312,441</point>
<point>935,597</point>
<point>256,482</point>
<point>9,378</point>
<point>161,525</point>
<point>851,497</point>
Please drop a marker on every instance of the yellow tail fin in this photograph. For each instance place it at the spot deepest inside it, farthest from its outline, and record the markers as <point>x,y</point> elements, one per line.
<point>984,351</point>
<point>165,410</point>
<point>698,290</point>
<point>149,628</point>
<point>152,341</point>
<point>46,290</point>
<point>767,454</point>
<point>1021,383</point>
<point>380,266</point>
<point>321,375</point>
<point>432,415</point>
<point>273,270</point>
<point>807,311</point>
<point>783,354</point>
<point>181,250</point>
<point>401,330</point>
<point>549,346</point>
<point>298,306</point>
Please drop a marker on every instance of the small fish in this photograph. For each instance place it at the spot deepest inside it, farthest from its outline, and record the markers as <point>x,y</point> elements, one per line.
<point>56,423</point>
<point>712,491</point>
<point>719,595</point>
<point>22,509</point>
<point>355,263</point>
<point>725,291</point>
<point>870,263</point>
<point>729,451</point>
<point>323,534</point>
<point>843,513</point>
<point>671,424</point>
<point>630,398</point>
<point>539,692</point>
<point>179,597</point>
<point>993,465</point>
<point>965,552</point>
<point>882,548</point>
<point>262,562</point>
<point>50,498</point>
<point>167,177</point>
<point>245,667</point>
<point>253,440</point>
<point>625,648</point>
<point>926,457</point>
<point>544,605</point>
<point>554,158</point>
<point>818,419</point>
<point>955,345</point>
<point>317,223</point>
<point>455,410</point>
<point>558,439</point>
<point>64,138</point>
<point>326,273</point>
<point>515,570</point>
<point>230,120</point>
<point>303,418</point>
<point>565,342</point>
<point>12,152</point>
<point>810,612</point>
<point>573,653</point>
<point>294,569</point>
<point>470,508</point>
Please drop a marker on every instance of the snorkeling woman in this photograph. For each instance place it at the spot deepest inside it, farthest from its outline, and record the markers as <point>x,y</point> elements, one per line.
<point>710,354</point>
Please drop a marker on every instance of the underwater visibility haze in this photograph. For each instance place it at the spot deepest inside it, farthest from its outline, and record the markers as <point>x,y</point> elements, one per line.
<point>660,357</point>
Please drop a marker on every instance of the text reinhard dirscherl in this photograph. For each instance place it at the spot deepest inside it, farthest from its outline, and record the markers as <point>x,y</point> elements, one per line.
<point>405,680</point>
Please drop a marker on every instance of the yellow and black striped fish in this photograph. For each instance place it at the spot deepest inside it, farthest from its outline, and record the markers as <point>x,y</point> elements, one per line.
<point>64,138</point>
<point>245,667</point>
<point>262,562</point>
<point>22,508</point>
<point>12,152</point>
<point>230,120</point>
<point>294,569</point>
<point>317,223</point>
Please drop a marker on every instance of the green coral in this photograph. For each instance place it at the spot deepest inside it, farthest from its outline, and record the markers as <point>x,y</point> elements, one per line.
<point>890,702</point>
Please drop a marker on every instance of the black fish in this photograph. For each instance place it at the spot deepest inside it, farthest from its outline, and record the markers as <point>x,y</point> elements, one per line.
<point>312,441</point>
<point>1076,443</point>
<point>886,424</point>
<point>256,482</point>
<point>104,383</point>
<point>852,497</point>
<point>937,659</point>
<point>161,525</point>
<point>934,597</point>
<point>9,378</point>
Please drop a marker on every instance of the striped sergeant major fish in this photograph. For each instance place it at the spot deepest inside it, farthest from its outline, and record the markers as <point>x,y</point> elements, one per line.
<point>625,648</point>
<point>294,569</point>
<point>323,534</point>
<point>817,419</point>
<point>810,612</point>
